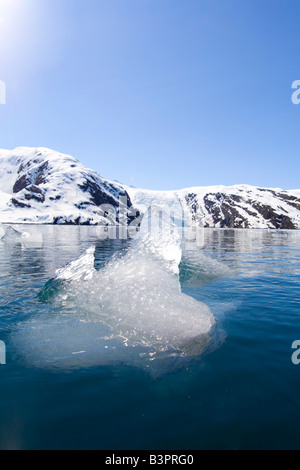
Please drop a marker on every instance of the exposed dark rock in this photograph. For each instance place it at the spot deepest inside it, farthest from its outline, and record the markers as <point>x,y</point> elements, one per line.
<point>20,204</point>
<point>64,221</point>
<point>285,223</point>
<point>266,190</point>
<point>36,177</point>
<point>232,218</point>
<point>209,204</point>
<point>98,197</point>
<point>283,210</point>
<point>267,212</point>
<point>35,196</point>
<point>236,198</point>
<point>34,189</point>
<point>290,200</point>
<point>82,205</point>
<point>223,211</point>
<point>20,184</point>
<point>279,221</point>
<point>249,212</point>
<point>42,172</point>
<point>191,199</point>
<point>24,167</point>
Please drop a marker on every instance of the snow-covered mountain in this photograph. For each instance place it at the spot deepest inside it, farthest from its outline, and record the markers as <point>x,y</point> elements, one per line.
<point>39,185</point>
<point>240,206</point>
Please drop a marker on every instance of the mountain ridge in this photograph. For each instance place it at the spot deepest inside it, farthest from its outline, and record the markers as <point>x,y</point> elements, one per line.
<point>42,186</point>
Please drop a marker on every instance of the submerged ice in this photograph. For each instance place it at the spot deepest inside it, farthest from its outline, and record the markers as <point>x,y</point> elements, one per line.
<point>131,310</point>
<point>11,236</point>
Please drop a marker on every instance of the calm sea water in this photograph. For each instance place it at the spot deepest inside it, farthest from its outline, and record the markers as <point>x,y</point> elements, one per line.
<point>241,394</point>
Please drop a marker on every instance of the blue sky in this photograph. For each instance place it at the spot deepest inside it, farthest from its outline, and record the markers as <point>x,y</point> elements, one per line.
<point>162,94</point>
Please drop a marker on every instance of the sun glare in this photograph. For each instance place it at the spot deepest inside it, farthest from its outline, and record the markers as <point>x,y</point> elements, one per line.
<point>8,8</point>
<point>31,33</point>
<point>11,12</point>
<point>13,19</point>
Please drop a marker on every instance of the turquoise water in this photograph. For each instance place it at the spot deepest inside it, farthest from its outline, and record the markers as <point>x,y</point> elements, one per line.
<point>242,393</point>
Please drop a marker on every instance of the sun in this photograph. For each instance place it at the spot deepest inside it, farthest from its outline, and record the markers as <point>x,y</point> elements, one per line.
<point>12,15</point>
<point>7,7</point>
<point>9,10</point>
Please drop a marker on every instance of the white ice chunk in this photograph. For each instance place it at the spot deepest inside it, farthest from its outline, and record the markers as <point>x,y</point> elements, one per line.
<point>81,269</point>
<point>135,301</point>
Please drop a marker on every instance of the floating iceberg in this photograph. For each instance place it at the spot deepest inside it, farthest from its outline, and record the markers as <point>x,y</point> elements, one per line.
<point>132,310</point>
<point>12,235</point>
<point>9,234</point>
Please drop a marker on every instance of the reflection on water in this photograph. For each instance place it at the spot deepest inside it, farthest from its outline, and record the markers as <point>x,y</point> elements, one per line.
<point>244,392</point>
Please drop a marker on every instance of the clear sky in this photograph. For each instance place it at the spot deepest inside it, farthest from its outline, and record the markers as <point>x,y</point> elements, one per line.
<point>161,94</point>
